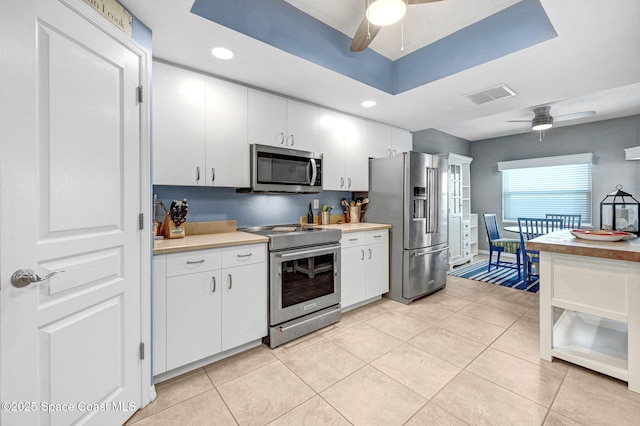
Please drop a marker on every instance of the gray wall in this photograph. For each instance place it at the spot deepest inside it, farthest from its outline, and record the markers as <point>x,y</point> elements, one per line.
<point>605,139</point>
<point>433,141</point>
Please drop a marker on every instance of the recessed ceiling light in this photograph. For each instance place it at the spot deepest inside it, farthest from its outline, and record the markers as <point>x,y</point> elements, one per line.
<point>368,104</point>
<point>221,52</point>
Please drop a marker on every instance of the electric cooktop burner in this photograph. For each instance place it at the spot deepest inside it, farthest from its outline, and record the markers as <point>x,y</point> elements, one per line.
<point>282,237</point>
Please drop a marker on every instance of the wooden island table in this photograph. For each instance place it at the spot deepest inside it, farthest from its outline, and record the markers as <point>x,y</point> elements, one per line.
<point>597,284</point>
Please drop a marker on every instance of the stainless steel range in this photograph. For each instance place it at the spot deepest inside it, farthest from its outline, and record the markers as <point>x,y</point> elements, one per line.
<point>304,280</point>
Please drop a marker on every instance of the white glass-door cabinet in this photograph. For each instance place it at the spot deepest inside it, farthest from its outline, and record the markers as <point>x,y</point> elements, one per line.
<point>460,229</point>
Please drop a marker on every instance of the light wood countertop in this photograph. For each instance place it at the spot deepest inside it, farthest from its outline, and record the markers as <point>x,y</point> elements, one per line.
<point>356,227</point>
<point>564,242</point>
<point>206,241</point>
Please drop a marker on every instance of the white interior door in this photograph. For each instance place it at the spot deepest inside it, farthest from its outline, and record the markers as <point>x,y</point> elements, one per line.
<point>70,178</point>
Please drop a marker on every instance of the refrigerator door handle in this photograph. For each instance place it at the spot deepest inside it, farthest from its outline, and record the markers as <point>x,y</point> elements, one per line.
<point>432,200</point>
<point>429,252</point>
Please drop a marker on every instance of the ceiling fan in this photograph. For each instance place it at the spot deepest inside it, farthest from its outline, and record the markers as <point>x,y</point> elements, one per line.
<point>542,120</point>
<point>378,14</point>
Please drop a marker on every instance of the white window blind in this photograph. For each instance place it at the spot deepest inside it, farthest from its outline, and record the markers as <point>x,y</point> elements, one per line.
<point>541,189</point>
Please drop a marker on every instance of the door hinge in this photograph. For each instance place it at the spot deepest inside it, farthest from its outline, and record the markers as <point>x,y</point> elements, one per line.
<point>140,97</point>
<point>141,221</point>
<point>141,350</point>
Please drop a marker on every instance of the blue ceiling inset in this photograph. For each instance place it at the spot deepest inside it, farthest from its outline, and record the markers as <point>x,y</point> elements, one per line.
<point>281,25</point>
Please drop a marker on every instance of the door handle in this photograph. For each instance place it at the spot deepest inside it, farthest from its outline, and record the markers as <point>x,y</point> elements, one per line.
<point>429,252</point>
<point>24,277</point>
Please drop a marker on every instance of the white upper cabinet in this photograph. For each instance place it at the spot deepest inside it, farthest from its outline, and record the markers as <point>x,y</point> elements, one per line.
<point>387,141</point>
<point>302,126</point>
<point>226,134</point>
<point>378,140</point>
<point>178,122</point>
<point>278,121</point>
<point>199,129</point>
<point>343,142</point>
<point>401,140</point>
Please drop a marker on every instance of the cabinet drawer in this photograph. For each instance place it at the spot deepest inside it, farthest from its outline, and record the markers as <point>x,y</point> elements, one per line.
<point>243,255</point>
<point>374,237</point>
<point>192,261</point>
<point>353,239</point>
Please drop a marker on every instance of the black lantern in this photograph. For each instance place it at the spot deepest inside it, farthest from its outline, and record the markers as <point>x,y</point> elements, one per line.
<point>619,212</point>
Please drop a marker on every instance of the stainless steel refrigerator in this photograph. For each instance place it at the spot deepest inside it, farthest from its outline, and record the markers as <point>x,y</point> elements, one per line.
<point>409,191</point>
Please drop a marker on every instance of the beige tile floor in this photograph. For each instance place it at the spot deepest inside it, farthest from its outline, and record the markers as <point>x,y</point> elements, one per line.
<point>465,355</point>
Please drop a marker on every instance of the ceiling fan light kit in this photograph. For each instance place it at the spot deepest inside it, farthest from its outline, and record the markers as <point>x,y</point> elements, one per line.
<point>386,12</point>
<point>542,120</point>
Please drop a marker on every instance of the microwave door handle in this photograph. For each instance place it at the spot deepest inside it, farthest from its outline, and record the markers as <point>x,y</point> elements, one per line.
<point>314,171</point>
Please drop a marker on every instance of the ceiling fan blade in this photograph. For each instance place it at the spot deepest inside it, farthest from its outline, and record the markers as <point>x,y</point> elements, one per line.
<point>422,1</point>
<point>361,39</point>
<point>574,116</point>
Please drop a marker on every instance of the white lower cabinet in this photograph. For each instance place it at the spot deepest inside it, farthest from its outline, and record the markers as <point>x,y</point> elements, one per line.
<point>206,302</point>
<point>193,317</point>
<point>244,305</point>
<point>365,266</point>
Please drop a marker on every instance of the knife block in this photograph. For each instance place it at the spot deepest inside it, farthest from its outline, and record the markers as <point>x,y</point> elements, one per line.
<point>170,230</point>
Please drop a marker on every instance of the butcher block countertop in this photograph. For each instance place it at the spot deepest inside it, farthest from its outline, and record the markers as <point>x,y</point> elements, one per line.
<point>565,243</point>
<point>205,235</point>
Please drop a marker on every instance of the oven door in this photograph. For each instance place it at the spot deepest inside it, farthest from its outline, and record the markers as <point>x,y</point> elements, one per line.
<point>303,281</point>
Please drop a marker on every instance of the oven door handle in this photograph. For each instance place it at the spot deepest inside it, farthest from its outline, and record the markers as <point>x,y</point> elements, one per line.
<point>298,254</point>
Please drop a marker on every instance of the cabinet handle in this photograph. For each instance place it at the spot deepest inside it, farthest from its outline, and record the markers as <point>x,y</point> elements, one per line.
<point>213,174</point>
<point>245,255</point>
<point>214,284</point>
<point>293,140</point>
<point>230,282</point>
<point>353,239</point>
<point>349,180</point>
<point>362,251</point>
<point>388,152</point>
<point>197,172</point>
<point>341,182</point>
<point>395,152</point>
<point>194,262</point>
<point>377,236</point>
<point>282,138</point>
<point>369,253</point>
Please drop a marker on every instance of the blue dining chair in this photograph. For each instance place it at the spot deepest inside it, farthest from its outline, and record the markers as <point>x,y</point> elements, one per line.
<point>531,228</point>
<point>500,245</point>
<point>569,221</point>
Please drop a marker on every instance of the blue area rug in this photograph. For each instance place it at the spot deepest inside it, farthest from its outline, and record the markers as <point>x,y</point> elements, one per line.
<point>502,276</point>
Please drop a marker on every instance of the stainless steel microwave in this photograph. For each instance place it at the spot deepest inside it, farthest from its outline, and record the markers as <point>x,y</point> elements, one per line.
<point>276,169</point>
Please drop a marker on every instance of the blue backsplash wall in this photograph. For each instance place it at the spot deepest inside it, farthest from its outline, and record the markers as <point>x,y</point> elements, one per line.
<point>213,204</point>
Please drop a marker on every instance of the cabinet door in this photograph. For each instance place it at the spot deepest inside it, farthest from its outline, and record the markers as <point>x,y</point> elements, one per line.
<point>401,140</point>
<point>178,120</point>
<point>227,149</point>
<point>455,237</point>
<point>352,275</point>
<point>267,119</point>
<point>244,304</point>
<point>377,269</point>
<point>193,317</point>
<point>356,158</point>
<point>378,140</point>
<point>302,126</point>
<point>332,143</point>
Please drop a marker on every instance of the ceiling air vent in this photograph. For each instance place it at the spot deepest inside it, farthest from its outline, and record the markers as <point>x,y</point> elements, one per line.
<point>491,94</point>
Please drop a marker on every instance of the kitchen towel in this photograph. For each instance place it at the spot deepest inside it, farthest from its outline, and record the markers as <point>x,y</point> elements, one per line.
<point>502,276</point>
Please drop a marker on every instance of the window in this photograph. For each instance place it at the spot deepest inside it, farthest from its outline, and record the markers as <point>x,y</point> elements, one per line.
<point>535,187</point>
